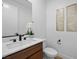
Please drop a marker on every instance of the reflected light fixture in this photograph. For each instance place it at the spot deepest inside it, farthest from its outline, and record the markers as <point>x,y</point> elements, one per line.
<point>30,0</point>
<point>5,5</point>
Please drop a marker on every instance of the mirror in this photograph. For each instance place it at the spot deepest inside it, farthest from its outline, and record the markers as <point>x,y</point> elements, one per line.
<point>16,14</point>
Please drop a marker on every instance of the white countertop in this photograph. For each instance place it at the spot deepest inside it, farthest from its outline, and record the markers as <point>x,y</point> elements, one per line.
<point>22,45</point>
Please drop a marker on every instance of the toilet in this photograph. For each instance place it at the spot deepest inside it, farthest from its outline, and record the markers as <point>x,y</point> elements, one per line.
<point>50,52</point>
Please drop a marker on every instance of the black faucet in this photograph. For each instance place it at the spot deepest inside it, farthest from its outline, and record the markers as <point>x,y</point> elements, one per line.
<point>20,37</point>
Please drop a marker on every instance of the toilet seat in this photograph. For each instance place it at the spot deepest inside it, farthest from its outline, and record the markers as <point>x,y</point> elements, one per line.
<point>50,52</point>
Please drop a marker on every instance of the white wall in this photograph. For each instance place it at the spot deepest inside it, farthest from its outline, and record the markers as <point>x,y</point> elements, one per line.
<point>69,39</point>
<point>39,18</point>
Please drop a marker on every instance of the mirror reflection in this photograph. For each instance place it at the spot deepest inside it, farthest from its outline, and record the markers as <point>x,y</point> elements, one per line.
<point>16,14</point>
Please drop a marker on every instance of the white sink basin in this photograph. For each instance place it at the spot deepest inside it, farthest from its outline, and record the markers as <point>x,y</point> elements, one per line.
<point>11,45</point>
<point>29,40</point>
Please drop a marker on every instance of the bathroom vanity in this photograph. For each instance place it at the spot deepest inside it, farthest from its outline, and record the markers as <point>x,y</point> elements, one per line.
<point>33,50</point>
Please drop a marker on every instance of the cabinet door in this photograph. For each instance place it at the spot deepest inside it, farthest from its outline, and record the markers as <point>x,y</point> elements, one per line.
<point>38,55</point>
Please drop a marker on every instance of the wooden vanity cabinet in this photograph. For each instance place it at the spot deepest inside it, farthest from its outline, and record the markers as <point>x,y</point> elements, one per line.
<point>33,52</point>
<point>37,56</point>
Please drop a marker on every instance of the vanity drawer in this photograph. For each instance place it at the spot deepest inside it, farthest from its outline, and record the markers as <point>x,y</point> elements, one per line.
<point>24,54</point>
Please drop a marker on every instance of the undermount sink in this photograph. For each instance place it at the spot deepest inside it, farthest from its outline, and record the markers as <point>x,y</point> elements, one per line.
<point>11,45</point>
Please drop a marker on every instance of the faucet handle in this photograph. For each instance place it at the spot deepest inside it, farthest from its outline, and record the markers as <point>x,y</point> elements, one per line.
<point>25,38</point>
<point>14,40</point>
<point>16,34</point>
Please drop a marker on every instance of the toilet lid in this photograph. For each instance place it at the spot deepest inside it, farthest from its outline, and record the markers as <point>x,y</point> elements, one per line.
<point>50,51</point>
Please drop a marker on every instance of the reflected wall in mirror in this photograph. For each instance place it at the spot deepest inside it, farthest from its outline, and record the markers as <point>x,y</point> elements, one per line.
<point>15,16</point>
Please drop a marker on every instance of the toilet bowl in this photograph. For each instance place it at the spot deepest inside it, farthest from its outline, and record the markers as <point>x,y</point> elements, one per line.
<point>50,52</point>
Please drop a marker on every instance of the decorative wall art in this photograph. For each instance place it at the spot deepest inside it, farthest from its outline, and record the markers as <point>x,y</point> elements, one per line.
<point>71,19</point>
<point>60,19</point>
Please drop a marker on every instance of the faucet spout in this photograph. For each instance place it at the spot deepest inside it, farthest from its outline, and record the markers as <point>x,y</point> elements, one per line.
<point>20,37</point>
